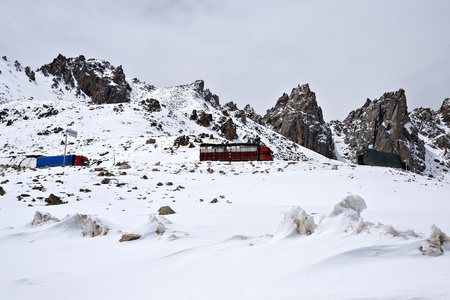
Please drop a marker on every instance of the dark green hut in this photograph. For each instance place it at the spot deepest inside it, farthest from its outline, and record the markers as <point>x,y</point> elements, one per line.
<point>373,157</point>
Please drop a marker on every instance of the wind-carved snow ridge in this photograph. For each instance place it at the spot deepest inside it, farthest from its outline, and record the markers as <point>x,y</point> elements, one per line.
<point>433,245</point>
<point>41,218</point>
<point>346,215</point>
<point>296,222</point>
<point>157,226</point>
<point>345,218</point>
<point>88,225</point>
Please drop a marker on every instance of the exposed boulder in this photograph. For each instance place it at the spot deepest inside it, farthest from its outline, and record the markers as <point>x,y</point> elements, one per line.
<point>126,237</point>
<point>2,191</point>
<point>194,115</point>
<point>96,79</point>
<point>181,141</point>
<point>300,119</point>
<point>166,210</point>
<point>151,105</point>
<point>53,200</point>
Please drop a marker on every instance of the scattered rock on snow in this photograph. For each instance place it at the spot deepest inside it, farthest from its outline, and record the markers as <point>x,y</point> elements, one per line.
<point>166,210</point>
<point>53,200</point>
<point>124,166</point>
<point>2,191</point>
<point>129,237</point>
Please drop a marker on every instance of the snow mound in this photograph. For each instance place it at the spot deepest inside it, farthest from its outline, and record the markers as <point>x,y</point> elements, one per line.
<point>345,215</point>
<point>41,218</point>
<point>296,222</point>
<point>434,243</point>
<point>89,225</point>
<point>351,206</point>
<point>155,226</point>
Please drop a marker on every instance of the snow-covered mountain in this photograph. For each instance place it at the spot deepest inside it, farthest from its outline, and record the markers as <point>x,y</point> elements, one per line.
<point>40,109</point>
<point>384,124</point>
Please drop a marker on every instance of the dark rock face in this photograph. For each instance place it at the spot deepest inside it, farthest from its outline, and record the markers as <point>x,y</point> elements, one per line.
<point>434,127</point>
<point>30,74</point>
<point>97,79</point>
<point>205,119</point>
<point>299,118</point>
<point>444,111</point>
<point>383,124</point>
<point>228,128</point>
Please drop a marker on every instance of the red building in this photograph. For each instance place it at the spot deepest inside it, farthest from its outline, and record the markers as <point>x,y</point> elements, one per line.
<point>235,152</point>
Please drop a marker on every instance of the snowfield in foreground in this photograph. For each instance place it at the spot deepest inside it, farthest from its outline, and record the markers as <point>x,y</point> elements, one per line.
<point>278,230</point>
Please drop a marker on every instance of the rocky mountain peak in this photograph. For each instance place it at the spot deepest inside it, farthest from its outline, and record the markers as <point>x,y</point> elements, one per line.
<point>444,111</point>
<point>97,79</point>
<point>383,124</point>
<point>299,118</point>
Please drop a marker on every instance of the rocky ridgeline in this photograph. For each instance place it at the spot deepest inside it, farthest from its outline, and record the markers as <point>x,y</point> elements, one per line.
<point>299,118</point>
<point>435,127</point>
<point>98,80</point>
<point>383,124</point>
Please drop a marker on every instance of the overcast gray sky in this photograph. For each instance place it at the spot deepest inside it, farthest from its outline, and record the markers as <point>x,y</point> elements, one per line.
<point>249,51</point>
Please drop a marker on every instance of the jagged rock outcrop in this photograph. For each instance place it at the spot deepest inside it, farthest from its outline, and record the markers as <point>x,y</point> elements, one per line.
<point>151,105</point>
<point>251,114</point>
<point>444,111</point>
<point>436,130</point>
<point>228,128</point>
<point>206,94</point>
<point>383,124</point>
<point>299,118</point>
<point>97,79</point>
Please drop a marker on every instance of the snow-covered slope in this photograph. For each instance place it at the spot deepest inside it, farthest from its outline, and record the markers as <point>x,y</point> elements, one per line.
<point>107,132</point>
<point>306,228</point>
